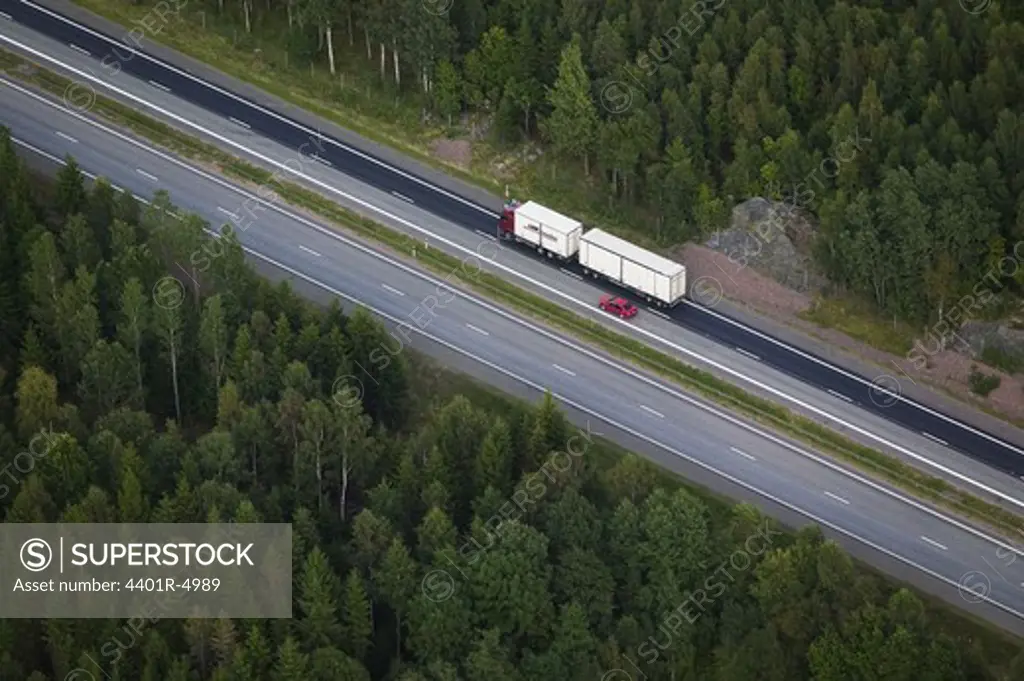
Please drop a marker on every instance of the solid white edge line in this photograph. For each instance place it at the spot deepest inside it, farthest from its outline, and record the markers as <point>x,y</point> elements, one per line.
<point>443,192</point>
<point>478,330</point>
<point>309,250</point>
<point>841,396</point>
<point>742,453</point>
<point>257,107</point>
<point>587,410</point>
<point>564,370</point>
<point>824,462</point>
<point>626,429</point>
<point>238,122</point>
<point>80,50</point>
<point>651,411</point>
<point>837,498</point>
<point>550,289</point>
<point>934,543</point>
<point>871,385</point>
<point>392,289</point>
<point>67,137</point>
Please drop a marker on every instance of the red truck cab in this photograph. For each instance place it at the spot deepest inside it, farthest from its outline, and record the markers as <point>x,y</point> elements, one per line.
<point>506,223</point>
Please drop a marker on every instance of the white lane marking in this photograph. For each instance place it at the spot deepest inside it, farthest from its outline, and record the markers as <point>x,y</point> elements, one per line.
<point>955,583</point>
<point>392,289</point>
<point>837,498</point>
<point>1019,503</point>
<point>725,416</point>
<point>238,122</point>
<point>80,50</point>
<point>478,330</point>
<point>148,176</point>
<point>841,396</point>
<point>934,543</point>
<point>309,250</point>
<point>869,384</point>
<point>5,15</point>
<point>403,197</point>
<point>257,107</point>
<point>228,213</point>
<point>571,274</point>
<point>455,197</point>
<point>159,86</point>
<point>657,312</point>
<point>327,163</point>
<point>742,453</point>
<point>69,138</point>
<point>651,411</point>
<point>933,438</point>
<point>564,370</point>
<point>748,353</point>
<point>486,235</point>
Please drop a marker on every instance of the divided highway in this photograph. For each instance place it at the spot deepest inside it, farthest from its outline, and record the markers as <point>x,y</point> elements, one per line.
<point>816,371</point>
<point>308,165</point>
<point>899,535</point>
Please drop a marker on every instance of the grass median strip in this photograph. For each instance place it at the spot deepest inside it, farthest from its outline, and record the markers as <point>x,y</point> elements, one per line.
<point>499,290</point>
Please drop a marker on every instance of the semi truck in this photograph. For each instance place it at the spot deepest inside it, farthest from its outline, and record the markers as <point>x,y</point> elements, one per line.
<point>550,233</point>
<point>658,280</point>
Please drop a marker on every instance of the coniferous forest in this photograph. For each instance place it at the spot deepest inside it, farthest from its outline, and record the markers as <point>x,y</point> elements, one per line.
<point>899,124</point>
<point>217,396</point>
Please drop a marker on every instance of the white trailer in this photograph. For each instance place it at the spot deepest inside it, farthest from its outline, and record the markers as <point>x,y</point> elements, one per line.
<point>659,280</point>
<point>549,232</point>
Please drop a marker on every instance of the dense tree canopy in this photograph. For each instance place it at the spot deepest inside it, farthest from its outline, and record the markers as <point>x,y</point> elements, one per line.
<point>900,124</point>
<point>474,539</point>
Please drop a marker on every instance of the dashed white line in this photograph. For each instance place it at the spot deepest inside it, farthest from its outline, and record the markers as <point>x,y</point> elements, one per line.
<point>403,197</point>
<point>146,175</point>
<point>69,138</point>
<point>571,274</point>
<point>841,396</point>
<point>238,122</point>
<point>486,235</point>
<point>159,86</point>
<point>228,213</point>
<point>748,353</point>
<point>513,272</point>
<point>742,453</point>
<point>322,160</point>
<point>478,330</point>
<point>837,498</point>
<point>80,50</point>
<point>657,312</point>
<point>934,543</point>
<point>392,289</point>
<point>5,15</point>
<point>651,411</point>
<point>309,250</point>
<point>934,438</point>
<point>564,370</point>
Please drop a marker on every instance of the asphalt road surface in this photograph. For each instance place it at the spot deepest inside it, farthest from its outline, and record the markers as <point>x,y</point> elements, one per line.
<point>899,535</point>
<point>844,391</point>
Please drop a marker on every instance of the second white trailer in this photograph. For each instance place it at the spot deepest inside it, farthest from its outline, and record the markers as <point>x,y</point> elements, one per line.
<point>660,280</point>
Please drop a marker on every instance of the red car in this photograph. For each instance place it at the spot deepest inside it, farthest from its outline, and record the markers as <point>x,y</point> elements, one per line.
<point>618,306</point>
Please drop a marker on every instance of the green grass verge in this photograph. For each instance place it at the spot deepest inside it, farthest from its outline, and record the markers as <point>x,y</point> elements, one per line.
<point>495,288</point>
<point>859,321</point>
